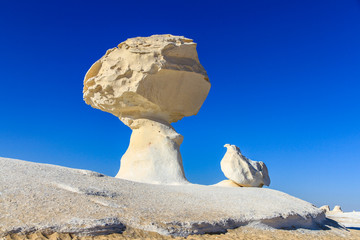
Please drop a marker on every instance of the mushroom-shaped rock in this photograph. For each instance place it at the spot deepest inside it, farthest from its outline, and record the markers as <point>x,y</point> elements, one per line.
<point>243,171</point>
<point>149,82</point>
<point>227,183</point>
<point>337,208</point>
<point>325,208</point>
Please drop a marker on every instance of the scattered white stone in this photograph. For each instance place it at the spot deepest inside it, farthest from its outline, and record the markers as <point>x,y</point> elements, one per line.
<point>243,171</point>
<point>150,82</point>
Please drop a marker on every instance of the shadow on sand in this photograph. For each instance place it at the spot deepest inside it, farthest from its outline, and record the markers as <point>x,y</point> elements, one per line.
<point>354,228</point>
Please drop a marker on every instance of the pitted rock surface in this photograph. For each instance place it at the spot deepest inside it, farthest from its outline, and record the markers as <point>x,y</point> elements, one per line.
<point>148,77</point>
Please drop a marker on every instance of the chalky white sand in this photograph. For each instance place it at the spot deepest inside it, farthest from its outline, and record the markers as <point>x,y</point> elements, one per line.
<point>48,198</point>
<point>348,219</point>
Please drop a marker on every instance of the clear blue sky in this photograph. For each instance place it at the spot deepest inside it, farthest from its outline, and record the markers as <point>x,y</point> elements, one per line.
<point>285,87</point>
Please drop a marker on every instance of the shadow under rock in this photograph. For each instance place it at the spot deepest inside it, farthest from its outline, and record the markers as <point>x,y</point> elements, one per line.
<point>329,224</point>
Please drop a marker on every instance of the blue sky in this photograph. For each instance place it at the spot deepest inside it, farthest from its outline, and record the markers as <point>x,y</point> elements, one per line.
<point>284,74</point>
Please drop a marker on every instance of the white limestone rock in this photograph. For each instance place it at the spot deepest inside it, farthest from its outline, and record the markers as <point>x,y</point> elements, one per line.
<point>149,82</point>
<point>148,77</point>
<point>243,171</point>
<point>325,208</point>
<point>153,155</point>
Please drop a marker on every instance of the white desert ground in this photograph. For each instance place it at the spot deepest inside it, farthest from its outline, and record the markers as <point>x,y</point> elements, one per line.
<point>41,201</point>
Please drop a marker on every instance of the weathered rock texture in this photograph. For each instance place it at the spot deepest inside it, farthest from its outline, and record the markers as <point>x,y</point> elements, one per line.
<point>150,82</point>
<point>243,171</point>
<point>148,77</point>
<point>48,198</point>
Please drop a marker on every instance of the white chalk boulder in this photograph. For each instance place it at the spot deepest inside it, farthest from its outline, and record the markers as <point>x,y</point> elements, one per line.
<point>243,171</point>
<point>325,208</point>
<point>150,82</point>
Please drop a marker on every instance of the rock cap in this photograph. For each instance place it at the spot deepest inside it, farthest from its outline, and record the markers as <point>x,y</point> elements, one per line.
<point>156,77</point>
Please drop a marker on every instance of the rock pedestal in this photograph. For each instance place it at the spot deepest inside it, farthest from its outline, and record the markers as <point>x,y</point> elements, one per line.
<point>153,155</point>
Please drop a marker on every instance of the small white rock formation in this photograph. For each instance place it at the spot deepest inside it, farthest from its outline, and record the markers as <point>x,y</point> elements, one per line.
<point>337,208</point>
<point>148,83</point>
<point>243,171</point>
<point>325,208</point>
